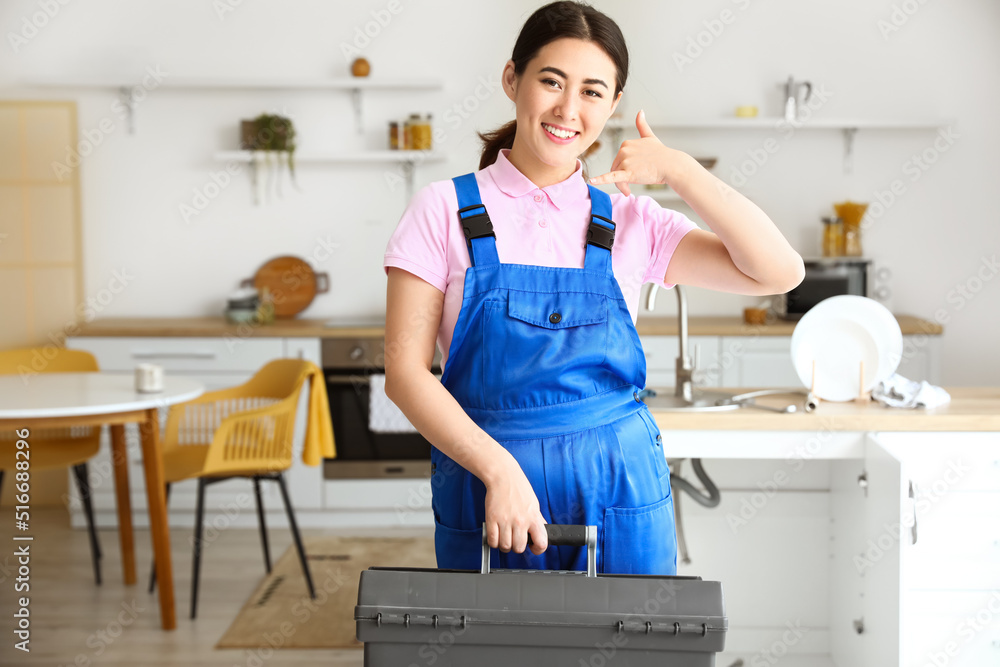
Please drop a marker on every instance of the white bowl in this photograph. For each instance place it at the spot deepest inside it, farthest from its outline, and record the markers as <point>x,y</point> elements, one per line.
<point>839,334</point>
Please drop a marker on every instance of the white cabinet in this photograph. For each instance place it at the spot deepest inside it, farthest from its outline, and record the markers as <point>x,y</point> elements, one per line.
<point>815,530</point>
<point>217,362</point>
<point>915,572</point>
<point>950,548</point>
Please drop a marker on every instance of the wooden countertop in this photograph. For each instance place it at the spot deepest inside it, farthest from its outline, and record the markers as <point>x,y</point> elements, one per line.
<point>711,325</point>
<point>971,409</point>
<point>323,328</point>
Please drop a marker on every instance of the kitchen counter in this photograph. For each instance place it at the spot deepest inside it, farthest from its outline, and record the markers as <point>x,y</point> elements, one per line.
<point>220,326</point>
<point>717,325</point>
<point>971,409</point>
<point>351,328</point>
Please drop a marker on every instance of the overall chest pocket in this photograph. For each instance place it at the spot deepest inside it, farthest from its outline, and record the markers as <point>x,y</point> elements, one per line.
<point>543,347</point>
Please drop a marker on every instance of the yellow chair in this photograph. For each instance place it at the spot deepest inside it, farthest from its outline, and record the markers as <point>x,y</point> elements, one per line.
<point>247,431</point>
<point>66,447</point>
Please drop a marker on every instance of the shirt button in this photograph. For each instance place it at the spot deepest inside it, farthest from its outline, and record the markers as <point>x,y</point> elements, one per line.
<point>538,197</point>
<point>555,318</point>
<point>542,223</point>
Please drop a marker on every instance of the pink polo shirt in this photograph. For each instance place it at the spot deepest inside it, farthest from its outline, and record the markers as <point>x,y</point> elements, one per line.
<point>542,227</point>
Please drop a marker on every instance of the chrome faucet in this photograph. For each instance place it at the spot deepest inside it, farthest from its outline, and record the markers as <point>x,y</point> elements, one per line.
<point>685,365</point>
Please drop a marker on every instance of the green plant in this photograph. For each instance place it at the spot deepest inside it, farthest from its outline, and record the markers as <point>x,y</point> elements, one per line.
<point>271,132</point>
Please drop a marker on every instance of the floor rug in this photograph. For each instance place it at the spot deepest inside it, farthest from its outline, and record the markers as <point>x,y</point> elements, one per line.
<point>280,613</point>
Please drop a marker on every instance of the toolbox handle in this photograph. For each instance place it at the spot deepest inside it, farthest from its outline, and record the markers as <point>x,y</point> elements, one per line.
<point>559,535</point>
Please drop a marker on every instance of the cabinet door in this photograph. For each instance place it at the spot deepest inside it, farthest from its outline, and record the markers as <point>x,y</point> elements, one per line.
<point>951,549</point>
<point>756,361</point>
<point>867,501</point>
<point>881,566</point>
<point>181,354</point>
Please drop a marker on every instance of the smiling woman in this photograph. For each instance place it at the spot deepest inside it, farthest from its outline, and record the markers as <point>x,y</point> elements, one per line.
<point>528,278</point>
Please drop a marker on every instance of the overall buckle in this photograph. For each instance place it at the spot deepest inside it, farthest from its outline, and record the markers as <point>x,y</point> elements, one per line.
<point>477,225</point>
<point>600,235</point>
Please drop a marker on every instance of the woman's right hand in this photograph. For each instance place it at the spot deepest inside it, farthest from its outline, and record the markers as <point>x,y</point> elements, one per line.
<point>512,512</point>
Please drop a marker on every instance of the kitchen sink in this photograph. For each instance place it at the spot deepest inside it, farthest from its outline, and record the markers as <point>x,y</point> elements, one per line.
<point>701,401</point>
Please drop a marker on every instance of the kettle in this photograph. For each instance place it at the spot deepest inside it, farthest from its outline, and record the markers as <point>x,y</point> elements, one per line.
<point>792,103</point>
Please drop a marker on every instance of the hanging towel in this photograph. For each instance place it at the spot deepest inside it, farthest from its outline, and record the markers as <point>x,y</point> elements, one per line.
<point>383,415</point>
<point>899,392</point>
<point>318,443</point>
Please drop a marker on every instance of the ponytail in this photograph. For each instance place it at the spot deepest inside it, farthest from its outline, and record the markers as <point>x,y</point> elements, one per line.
<point>502,137</point>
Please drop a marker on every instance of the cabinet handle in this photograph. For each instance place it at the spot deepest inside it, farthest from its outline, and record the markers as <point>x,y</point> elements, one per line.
<point>174,355</point>
<point>913,529</point>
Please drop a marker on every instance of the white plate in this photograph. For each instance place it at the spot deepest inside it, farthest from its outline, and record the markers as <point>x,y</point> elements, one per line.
<point>839,334</point>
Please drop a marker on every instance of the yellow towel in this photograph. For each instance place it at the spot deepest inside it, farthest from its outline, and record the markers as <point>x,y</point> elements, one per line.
<point>319,429</point>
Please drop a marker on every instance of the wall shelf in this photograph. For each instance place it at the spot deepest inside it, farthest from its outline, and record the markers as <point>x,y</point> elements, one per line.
<point>127,91</point>
<point>128,94</point>
<point>407,159</point>
<point>229,83</point>
<point>662,196</point>
<point>404,157</point>
<point>762,122</point>
<point>849,126</point>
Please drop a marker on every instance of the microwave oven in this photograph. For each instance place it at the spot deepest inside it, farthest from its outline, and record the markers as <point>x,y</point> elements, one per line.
<point>826,277</point>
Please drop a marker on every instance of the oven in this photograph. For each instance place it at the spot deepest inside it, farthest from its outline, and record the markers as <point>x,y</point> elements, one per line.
<point>362,453</point>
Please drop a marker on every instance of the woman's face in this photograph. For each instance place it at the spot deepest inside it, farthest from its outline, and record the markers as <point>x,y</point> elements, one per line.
<point>567,88</point>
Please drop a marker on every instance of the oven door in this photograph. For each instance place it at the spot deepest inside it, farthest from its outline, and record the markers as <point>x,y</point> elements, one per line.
<point>361,452</point>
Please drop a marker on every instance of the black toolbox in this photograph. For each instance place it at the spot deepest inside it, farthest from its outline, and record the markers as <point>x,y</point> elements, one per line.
<point>521,618</point>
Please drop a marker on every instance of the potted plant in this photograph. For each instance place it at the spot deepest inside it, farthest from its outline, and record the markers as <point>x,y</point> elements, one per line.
<point>270,133</point>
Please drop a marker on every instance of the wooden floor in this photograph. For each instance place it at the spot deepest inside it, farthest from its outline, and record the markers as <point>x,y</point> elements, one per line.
<point>75,622</point>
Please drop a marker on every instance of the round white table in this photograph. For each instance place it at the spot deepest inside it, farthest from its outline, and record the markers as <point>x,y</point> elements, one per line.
<point>47,400</point>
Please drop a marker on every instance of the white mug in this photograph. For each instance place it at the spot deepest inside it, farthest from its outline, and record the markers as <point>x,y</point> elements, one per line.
<point>148,378</point>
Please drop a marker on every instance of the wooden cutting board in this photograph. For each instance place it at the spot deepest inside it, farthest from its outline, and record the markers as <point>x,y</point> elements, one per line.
<point>292,283</point>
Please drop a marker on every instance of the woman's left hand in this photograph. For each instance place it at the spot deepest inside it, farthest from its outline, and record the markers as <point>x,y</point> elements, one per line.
<point>641,160</point>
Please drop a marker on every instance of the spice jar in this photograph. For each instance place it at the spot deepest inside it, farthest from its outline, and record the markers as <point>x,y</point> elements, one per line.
<point>394,135</point>
<point>408,133</point>
<point>833,237</point>
<point>420,132</point>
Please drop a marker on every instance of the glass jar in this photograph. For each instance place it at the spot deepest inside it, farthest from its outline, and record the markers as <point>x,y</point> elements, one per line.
<point>420,132</point>
<point>833,237</point>
<point>408,132</point>
<point>394,136</point>
<point>852,241</point>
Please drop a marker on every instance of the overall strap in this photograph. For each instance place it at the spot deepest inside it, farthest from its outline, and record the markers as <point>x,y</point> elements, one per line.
<point>600,234</point>
<point>475,221</point>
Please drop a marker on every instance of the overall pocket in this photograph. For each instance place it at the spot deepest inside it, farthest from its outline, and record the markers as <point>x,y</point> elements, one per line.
<point>458,549</point>
<point>640,540</point>
<point>544,346</point>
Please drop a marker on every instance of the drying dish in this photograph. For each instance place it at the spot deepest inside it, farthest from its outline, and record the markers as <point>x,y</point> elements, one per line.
<point>838,335</point>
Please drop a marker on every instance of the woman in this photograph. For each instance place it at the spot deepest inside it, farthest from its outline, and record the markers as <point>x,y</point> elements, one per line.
<point>536,418</point>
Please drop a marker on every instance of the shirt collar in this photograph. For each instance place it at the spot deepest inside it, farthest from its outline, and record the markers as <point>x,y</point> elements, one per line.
<point>515,184</point>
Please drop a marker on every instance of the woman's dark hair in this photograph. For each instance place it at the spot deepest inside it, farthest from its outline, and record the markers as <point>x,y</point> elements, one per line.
<point>549,23</point>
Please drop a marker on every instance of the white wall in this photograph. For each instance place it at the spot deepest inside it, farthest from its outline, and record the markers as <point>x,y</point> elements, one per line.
<point>942,62</point>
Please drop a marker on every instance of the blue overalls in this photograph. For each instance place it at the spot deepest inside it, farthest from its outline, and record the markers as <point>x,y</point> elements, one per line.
<point>546,360</point>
